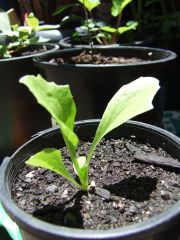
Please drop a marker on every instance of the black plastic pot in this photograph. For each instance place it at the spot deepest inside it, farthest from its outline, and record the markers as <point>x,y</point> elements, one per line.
<point>173,96</point>
<point>67,42</point>
<point>165,226</point>
<point>93,85</point>
<point>17,105</point>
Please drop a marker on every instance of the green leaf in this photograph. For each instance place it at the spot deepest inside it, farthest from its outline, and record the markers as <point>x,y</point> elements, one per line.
<point>118,6</point>
<point>34,40</point>
<point>131,99</point>
<point>90,4</point>
<point>32,21</point>
<point>131,25</point>
<point>51,158</point>
<point>4,53</point>
<point>109,29</point>
<point>4,22</point>
<point>24,32</point>
<point>62,8</point>
<point>58,101</point>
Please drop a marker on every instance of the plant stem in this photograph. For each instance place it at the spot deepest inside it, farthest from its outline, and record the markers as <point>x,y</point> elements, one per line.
<point>89,34</point>
<point>118,23</point>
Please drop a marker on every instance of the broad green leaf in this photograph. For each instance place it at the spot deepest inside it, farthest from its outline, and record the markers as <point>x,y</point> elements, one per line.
<point>58,101</point>
<point>131,99</point>
<point>90,4</point>
<point>4,22</point>
<point>118,6</point>
<point>32,21</point>
<point>129,26</point>
<point>51,159</point>
<point>62,8</point>
<point>109,29</point>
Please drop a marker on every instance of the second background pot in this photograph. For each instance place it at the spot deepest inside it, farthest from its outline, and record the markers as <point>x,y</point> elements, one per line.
<point>93,85</point>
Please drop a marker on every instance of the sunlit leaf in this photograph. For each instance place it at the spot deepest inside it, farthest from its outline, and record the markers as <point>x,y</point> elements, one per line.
<point>129,26</point>
<point>109,29</point>
<point>4,22</point>
<point>131,99</point>
<point>58,101</point>
<point>90,4</point>
<point>118,6</point>
<point>32,21</point>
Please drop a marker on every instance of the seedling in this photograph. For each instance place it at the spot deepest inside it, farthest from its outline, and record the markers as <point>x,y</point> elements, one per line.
<point>14,39</point>
<point>131,100</point>
<point>97,29</point>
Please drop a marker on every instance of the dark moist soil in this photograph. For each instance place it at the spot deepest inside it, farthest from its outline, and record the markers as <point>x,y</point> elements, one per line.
<point>127,191</point>
<point>32,52</point>
<point>27,51</point>
<point>86,57</point>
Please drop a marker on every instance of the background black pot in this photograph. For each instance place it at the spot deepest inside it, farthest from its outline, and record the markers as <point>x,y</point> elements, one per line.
<point>67,42</point>
<point>18,109</point>
<point>93,85</point>
<point>165,226</point>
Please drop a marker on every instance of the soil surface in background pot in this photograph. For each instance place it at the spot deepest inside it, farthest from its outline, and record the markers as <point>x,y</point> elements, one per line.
<point>97,58</point>
<point>28,51</point>
<point>126,190</point>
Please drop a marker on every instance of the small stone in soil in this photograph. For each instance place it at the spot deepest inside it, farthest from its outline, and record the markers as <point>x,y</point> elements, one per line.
<point>102,193</point>
<point>51,189</point>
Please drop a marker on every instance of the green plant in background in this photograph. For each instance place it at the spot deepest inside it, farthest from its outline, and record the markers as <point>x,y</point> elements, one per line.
<point>15,38</point>
<point>131,100</point>
<point>96,29</point>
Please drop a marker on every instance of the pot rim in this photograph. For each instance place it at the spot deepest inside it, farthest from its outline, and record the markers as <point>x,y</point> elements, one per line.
<point>54,47</point>
<point>170,55</point>
<point>157,223</point>
<point>66,42</point>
